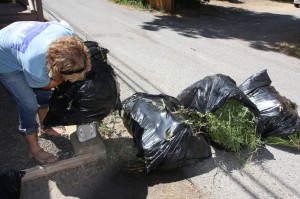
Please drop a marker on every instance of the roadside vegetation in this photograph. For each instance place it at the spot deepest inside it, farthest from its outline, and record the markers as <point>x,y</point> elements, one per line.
<point>135,3</point>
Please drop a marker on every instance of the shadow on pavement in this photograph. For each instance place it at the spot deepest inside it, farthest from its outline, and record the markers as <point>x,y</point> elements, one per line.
<point>111,178</point>
<point>263,31</point>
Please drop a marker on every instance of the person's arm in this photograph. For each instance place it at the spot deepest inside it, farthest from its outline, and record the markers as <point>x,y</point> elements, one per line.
<point>52,84</point>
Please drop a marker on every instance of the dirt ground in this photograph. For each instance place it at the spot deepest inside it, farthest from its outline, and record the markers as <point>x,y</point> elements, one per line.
<point>112,178</point>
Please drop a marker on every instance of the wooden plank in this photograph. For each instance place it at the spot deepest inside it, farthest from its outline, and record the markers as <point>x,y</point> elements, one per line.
<point>45,170</point>
<point>88,153</point>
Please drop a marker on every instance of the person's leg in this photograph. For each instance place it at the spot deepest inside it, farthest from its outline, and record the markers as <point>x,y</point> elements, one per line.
<point>42,112</point>
<point>43,101</point>
<point>27,106</point>
<point>37,152</point>
<point>53,131</point>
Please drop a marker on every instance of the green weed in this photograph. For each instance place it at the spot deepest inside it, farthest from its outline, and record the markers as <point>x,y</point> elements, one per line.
<point>231,126</point>
<point>107,126</point>
<point>292,140</point>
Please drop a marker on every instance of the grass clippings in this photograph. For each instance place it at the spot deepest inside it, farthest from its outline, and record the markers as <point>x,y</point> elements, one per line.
<point>292,141</point>
<point>232,126</point>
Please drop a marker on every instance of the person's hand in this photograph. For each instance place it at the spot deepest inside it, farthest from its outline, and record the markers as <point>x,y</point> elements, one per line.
<point>88,68</point>
<point>53,83</point>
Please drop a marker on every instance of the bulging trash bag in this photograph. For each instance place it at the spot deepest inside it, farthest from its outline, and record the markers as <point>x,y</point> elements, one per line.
<point>160,137</point>
<point>10,184</point>
<point>278,115</point>
<point>211,93</point>
<point>89,100</point>
<point>98,53</point>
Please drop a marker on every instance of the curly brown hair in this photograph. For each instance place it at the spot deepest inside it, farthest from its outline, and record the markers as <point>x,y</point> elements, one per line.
<point>67,58</point>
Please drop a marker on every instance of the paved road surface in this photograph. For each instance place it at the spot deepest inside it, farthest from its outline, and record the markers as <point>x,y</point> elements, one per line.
<point>157,53</point>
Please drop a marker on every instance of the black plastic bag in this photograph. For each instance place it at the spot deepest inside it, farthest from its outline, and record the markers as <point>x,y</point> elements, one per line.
<point>211,93</point>
<point>278,115</point>
<point>98,53</point>
<point>86,101</point>
<point>161,138</point>
<point>10,184</point>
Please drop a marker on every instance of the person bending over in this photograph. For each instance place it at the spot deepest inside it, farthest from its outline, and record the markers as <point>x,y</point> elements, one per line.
<point>35,57</point>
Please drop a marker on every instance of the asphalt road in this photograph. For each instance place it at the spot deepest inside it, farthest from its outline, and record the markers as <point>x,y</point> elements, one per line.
<point>156,53</point>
